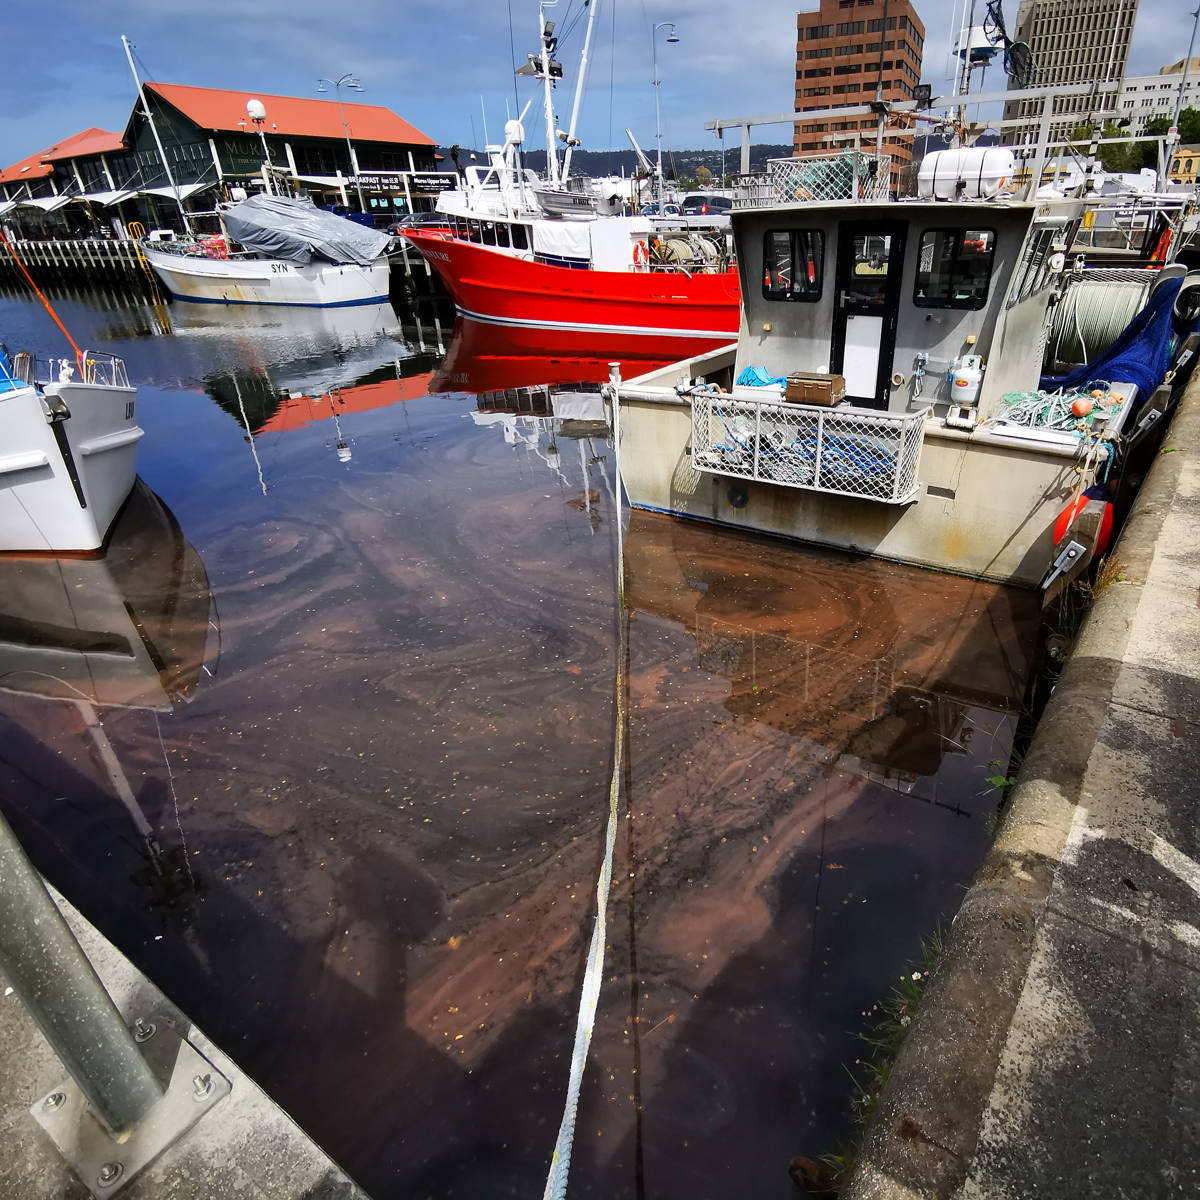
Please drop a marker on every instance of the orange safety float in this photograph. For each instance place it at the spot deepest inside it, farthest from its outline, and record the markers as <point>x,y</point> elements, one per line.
<point>1097,494</point>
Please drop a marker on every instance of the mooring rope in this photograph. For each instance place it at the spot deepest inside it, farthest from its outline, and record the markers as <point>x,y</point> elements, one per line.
<point>560,1162</point>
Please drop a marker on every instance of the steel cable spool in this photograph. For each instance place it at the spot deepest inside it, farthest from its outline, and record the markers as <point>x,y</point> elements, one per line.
<point>1089,317</point>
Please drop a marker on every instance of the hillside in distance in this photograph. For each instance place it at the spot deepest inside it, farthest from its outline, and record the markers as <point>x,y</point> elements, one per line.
<point>680,163</point>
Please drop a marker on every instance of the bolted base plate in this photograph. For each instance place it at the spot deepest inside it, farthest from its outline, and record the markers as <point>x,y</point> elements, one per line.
<point>104,1164</point>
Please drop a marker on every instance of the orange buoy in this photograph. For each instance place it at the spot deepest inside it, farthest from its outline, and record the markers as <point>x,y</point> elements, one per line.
<point>1082,406</point>
<point>1098,493</point>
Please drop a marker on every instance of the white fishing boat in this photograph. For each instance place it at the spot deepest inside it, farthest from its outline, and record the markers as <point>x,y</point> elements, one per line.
<point>935,381</point>
<point>69,434</point>
<point>277,250</point>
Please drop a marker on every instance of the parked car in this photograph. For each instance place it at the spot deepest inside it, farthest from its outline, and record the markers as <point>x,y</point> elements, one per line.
<point>702,204</point>
<point>657,209</point>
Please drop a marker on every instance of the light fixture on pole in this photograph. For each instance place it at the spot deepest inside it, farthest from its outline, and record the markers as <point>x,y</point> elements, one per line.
<point>257,113</point>
<point>346,81</point>
<point>671,37</point>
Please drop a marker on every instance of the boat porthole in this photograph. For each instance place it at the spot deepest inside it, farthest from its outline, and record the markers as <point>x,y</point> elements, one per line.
<point>737,496</point>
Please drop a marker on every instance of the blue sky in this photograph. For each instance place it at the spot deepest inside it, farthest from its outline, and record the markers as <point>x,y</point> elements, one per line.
<point>441,66</point>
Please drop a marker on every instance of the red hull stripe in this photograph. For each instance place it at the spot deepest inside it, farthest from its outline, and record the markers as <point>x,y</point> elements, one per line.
<point>728,335</point>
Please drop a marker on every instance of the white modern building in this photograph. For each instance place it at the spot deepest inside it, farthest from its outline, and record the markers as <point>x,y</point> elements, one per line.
<point>1145,96</point>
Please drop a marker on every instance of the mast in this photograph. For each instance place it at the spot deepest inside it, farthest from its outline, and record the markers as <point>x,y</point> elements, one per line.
<point>162,154</point>
<point>583,61</point>
<point>549,45</point>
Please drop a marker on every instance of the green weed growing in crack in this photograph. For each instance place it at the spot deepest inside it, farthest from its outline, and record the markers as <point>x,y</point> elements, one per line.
<point>887,1025</point>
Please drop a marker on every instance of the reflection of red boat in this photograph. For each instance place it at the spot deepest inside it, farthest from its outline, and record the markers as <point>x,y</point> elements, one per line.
<point>684,313</point>
<point>297,411</point>
<point>492,358</point>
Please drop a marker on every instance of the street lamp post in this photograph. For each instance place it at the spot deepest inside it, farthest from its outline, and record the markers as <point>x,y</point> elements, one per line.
<point>347,81</point>
<point>671,37</point>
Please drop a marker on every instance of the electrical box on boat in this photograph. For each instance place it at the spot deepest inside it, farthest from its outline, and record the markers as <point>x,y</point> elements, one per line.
<point>806,387</point>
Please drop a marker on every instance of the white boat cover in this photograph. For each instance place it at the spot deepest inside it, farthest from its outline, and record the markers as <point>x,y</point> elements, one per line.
<point>281,227</point>
<point>562,239</point>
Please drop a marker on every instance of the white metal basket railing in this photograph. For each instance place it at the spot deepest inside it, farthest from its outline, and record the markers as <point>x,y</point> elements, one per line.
<point>842,451</point>
<point>847,175</point>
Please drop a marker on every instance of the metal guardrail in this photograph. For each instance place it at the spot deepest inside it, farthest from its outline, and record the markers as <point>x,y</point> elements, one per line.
<point>844,452</point>
<point>848,175</point>
<point>93,366</point>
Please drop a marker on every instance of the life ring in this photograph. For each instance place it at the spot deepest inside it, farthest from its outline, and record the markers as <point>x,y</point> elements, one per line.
<point>639,254</point>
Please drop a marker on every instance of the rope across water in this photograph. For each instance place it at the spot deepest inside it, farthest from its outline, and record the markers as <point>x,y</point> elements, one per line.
<point>560,1162</point>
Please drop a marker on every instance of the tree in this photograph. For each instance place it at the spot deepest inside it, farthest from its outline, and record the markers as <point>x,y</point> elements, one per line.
<point>1189,127</point>
<point>1115,156</point>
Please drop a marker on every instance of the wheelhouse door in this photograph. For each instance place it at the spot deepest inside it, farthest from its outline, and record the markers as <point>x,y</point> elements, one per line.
<point>870,258</point>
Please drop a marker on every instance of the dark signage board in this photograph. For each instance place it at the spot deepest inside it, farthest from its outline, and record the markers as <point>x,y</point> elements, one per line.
<point>428,181</point>
<point>421,181</point>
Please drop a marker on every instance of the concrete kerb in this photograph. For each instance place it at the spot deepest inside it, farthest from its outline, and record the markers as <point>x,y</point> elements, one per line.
<point>925,1132</point>
<point>246,1147</point>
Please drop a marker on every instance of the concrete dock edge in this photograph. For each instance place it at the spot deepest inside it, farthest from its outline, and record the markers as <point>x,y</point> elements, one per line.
<point>1057,1050</point>
<point>245,1147</point>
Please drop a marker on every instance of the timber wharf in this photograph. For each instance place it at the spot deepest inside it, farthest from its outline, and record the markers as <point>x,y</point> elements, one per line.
<point>110,259</point>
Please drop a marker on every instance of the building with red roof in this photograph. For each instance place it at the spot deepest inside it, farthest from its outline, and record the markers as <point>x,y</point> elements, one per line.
<point>356,155</point>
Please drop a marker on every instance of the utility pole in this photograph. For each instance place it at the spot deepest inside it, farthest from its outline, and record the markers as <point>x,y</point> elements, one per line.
<point>1173,132</point>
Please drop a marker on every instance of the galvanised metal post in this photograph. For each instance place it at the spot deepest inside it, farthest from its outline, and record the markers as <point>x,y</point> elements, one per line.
<point>50,973</point>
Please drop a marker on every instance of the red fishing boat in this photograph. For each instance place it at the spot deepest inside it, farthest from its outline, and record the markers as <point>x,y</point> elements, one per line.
<point>655,295</point>
<point>563,253</point>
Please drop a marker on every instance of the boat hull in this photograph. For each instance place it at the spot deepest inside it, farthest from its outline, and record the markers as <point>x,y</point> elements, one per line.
<point>269,280</point>
<point>606,309</point>
<point>59,491</point>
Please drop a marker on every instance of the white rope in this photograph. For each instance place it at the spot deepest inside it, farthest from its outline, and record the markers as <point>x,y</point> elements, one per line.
<point>560,1162</point>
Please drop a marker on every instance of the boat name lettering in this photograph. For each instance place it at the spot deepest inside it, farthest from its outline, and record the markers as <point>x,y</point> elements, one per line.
<point>440,255</point>
<point>129,410</point>
<point>279,268</point>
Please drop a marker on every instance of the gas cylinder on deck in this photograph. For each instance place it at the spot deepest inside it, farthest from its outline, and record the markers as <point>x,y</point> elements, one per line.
<point>965,377</point>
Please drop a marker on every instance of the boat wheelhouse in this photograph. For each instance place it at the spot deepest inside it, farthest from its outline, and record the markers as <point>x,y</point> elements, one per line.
<point>925,327</point>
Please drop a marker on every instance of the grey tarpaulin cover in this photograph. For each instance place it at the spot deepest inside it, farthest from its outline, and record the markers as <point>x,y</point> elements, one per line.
<point>281,227</point>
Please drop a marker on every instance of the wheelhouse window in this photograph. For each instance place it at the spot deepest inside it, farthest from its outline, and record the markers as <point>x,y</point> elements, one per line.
<point>954,268</point>
<point>793,264</point>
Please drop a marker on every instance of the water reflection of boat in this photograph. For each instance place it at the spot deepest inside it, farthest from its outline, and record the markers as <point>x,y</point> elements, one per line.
<point>886,699</point>
<point>298,409</point>
<point>127,628</point>
<point>286,358</point>
<point>131,629</point>
<point>69,450</point>
<point>491,358</point>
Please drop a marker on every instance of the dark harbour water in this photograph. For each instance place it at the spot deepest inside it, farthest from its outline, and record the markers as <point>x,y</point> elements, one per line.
<point>357,806</point>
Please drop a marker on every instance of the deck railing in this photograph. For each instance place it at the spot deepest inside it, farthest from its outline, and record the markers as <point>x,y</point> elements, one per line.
<point>842,451</point>
<point>848,175</point>
<point>93,366</point>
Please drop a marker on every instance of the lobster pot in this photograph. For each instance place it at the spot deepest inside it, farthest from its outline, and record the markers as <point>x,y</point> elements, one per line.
<point>849,452</point>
